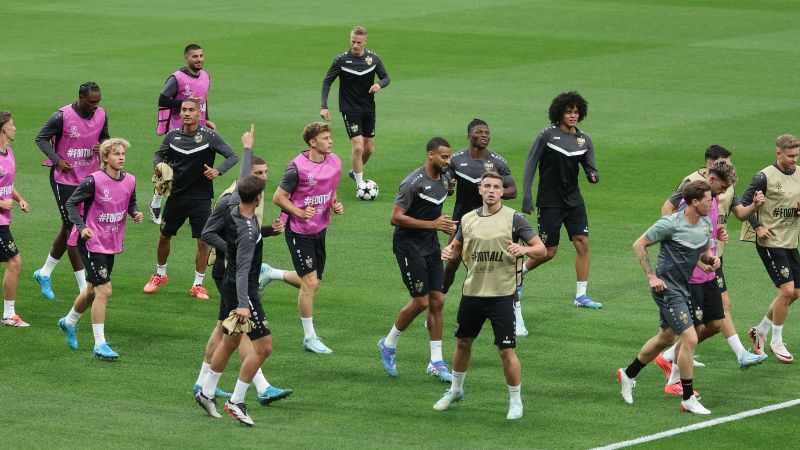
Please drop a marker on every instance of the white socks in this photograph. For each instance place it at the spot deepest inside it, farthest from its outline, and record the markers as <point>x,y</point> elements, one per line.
<point>239,391</point>
<point>161,270</point>
<point>210,386</point>
<point>80,277</point>
<point>518,312</point>
<point>669,354</point>
<point>49,265</point>
<point>198,278</point>
<point>260,382</point>
<point>458,381</point>
<point>99,333</point>
<point>203,376</point>
<point>277,274</point>
<point>777,334</point>
<point>392,337</point>
<point>73,316</point>
<point>436,351</point>
<point>308,327</point>
<point>764,327</point>
<point>580,288</point>
<point>359,176</point>
<point>156,202</point>
<point>736,345</point>
<point>8,309</point>
<point>514,393</point>
<point>675,375</point>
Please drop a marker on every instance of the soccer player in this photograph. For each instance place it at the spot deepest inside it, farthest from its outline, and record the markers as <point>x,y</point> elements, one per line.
<point>242,246</point>
<point>255,166</point>
<point>685,238</point>
<point>9,253</point>
<point>557,152</point>
<point>417,216</point>
<point>188,81</point>
<point>70,139</point>
<point>356,69</point>
<point>306,196</point>
<point>487,243</point>
<point>466,168</point>
<point>107,195</point>
<point>776,227</point>
<point>190,150</point>
<point>727,202</point>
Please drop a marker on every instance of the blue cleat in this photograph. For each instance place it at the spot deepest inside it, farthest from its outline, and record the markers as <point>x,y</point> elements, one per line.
<point>585,302</point>
<point>103,351</point>
<point>439,369</point>
<point>749,360</point>
<point>44,284</point>
<point>273,394</point>
<point>218,393</point>
<point>351,174</point>
<point>69,331</point>
<point>387,358</point>
<point>263,277</point>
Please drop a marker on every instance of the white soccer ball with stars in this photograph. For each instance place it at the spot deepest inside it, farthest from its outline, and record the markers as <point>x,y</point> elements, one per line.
<point>367,190</point>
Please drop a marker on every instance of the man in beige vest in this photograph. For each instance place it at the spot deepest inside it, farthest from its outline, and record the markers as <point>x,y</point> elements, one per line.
<point>776,227</point>
<point>487,243</point>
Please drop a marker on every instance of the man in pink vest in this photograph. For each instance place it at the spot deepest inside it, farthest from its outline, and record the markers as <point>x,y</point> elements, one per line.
<point>70,139</point>
<point>188,81</point>
<point>9,253</point>
<point>306,195</point>
<point>108,197</point>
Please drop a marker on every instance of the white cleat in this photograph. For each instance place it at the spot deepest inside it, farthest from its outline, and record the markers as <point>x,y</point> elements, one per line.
<point>520,329</point>
<point>514,411</point>
<point>693,406</point>
<point>626,386</point>
<point>448,399</point>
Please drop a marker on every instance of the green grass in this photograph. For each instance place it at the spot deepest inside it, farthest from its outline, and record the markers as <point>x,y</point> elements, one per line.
<point>664,80</point>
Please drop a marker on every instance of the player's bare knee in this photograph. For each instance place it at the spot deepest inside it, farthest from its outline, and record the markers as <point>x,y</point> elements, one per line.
<point>715,326</point>
<point>14,264</point>
<point>551,253</point>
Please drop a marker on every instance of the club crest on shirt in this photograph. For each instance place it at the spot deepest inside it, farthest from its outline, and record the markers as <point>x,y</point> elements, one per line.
<point>581,141</point>
<point>368,60</point>
<point>488,166</point>
<point>198,138</point>
<point>354,128</point>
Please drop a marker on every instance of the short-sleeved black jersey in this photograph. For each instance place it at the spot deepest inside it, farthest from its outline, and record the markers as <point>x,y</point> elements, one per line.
<point>468,172</point>
<point>423,199</point>
<point>356,75</point>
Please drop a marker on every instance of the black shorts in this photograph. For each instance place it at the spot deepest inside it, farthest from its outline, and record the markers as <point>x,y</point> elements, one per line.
<point>675,310</point>
<point>308,253</point>
<point>550,219</point>
<point>62,192</point>
<point>359,124</point>
<point>98,265</point>
<point>422,274</point>
<point>721,284</point>
<point>8,248</point>
<point>706,302</point>
<point>257,315</point>
<point>473,312</point>
<point>177,210</point>
<point>782,264</point>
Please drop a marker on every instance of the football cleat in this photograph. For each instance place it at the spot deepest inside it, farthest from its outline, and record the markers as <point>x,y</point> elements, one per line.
<point>749,360</point>
<point>585,302</point>
<point>693,406</point>
<point>155,215</point>
<point>69,332</point>
<point>677,389</point>
<point>104,352</point>
<point>15,321</point>
<point>759,342</point>
<point>665,365</point>
<point>198,291</point>
<point>154,283</point>
<point>351,174</point>
<point>314,344</point>
<point>780,352</point>
<point>44,284</point>
<point>217,393</point>
<point>388,358</point>
<point>273,394</point>
<point>209,405</point>
<point>696,363</point>
<point>239,412</point>
<point>263,277</point>
<point>514,411</point>
<point>448,399</point>
<point>439,369</point>
<point>626,386</point>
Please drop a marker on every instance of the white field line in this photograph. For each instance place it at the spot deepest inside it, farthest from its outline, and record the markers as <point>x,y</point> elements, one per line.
<point>697,426</point>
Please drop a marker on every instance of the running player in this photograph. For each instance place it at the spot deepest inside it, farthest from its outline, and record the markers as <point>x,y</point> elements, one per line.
<point>107,196</point>
<point>188,81</point>
<point>417,216</point>
<point>70,139</point>
<point>685,239</point>
<point>306,196</point>
<point>356,69</point>
<point>9,253</point>
<point>190,151</point>
<point>776,227</point>
<point>557,152</point>
<point>487,243</point>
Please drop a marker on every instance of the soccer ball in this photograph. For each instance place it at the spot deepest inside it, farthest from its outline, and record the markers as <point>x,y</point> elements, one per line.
<point>367,190</point>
